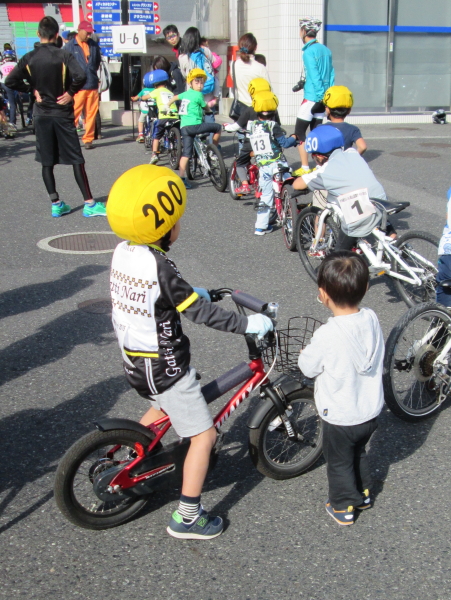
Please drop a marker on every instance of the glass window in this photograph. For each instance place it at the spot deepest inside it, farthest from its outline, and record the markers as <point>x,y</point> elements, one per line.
<point>360,63</point>
<point>422,70</point>
<point>358,12</point>
<point>417,13</point>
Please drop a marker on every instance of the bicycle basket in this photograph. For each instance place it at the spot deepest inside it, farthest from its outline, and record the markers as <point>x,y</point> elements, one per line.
<point>291,341</point>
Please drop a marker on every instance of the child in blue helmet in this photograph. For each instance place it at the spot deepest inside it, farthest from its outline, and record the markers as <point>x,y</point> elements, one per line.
<point>143,108</point>
<point>159,79</point>
<point>443,293</point>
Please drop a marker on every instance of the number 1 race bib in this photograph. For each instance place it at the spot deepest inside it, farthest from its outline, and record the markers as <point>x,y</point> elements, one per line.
<point>183,110</point>
<point>356,206</point>
<point>261,143</point>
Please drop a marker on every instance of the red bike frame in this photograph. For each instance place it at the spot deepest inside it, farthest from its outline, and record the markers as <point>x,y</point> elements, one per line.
<point>160,427</point>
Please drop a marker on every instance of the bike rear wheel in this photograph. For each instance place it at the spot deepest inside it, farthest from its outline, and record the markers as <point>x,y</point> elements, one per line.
<point>75,477</point>
<point>289,215</point>
<point>412,391</point>
<point>218,171</point>
<point>305,230</point>
<point>234,182</point>
<point>416,246</point>
<point>272,451</point>
<point>175,147</point>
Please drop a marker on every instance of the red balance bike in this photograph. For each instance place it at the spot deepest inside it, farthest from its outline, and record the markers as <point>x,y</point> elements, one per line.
<point>107,477</point>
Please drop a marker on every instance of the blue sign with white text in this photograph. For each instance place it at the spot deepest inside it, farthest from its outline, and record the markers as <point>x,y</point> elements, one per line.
<point>137,5</point>
<point>150,29</point>
<point>141,18</point>
<point>103,28</point>
<point>105,41</point>
<point>109,52</point>
<point>107,17</point>
<point>106,5</point>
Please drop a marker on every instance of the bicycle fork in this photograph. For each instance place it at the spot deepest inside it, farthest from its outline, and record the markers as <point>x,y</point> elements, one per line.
<point>277,397</point>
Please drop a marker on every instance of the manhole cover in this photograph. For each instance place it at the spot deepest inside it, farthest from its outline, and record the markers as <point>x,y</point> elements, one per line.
<point>405,128</point>
<point>98,306</point>
<point>407,154</point>
<point>93,242</point>
<point>436,145</point>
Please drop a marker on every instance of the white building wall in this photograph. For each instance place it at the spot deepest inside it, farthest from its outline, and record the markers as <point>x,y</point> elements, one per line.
<point>275,24</point>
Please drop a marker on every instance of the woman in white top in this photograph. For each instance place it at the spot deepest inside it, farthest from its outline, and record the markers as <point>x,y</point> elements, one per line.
<point>247,68</point>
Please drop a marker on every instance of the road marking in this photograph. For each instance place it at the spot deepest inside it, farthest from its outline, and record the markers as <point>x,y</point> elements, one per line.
<point>410,137</point>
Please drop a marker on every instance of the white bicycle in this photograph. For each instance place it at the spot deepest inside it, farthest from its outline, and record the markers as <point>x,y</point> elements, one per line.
<point>417,364</point>
<point>410,260</point>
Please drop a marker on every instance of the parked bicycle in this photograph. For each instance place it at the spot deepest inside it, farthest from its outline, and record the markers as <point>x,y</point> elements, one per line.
<point>108,476</point>
<point>207,161</point>
<point>409,260</point>
<point>417,364</point>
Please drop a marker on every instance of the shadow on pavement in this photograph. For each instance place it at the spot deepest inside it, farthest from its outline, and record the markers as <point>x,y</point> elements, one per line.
<point>34,439</point>
<point>38,295</point>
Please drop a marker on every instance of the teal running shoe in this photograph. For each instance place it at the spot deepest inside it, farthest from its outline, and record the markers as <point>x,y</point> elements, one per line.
<point>203,527</point>
<point>58,210</point>
<point>96,210</point>
<point>187,183</point>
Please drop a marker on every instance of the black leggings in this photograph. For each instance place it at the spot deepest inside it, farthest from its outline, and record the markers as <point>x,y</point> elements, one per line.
<point>80,177</point>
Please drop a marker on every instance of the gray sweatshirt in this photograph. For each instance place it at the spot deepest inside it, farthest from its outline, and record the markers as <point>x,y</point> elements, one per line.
<point>346,355</point>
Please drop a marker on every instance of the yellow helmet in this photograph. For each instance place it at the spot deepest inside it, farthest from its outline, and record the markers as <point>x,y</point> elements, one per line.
<point>145,203</point>
<point>195,73</point>
<point>258,85</point>
<point>265,102</point>
<point>338,96</point>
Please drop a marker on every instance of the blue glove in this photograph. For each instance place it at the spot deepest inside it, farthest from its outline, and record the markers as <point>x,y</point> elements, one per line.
<point>202,292</point>
<point>259,324</point>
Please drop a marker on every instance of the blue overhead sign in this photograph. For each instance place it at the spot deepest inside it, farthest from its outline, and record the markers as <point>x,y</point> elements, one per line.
<point>102,28</point>
<point>107,17</point>
<point>137,5</point>
<point>106,41</point>
<point>141,17</point>
<point>106,5</point>
<point>150,29</point>
<point>109,52</point>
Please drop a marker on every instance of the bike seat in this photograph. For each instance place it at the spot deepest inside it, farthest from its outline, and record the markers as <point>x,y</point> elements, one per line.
<point>391,207</point>
<point>203,136</point>
<point>445,283</point>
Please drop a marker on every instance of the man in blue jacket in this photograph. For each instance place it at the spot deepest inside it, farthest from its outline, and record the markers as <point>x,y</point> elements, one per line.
<point>87,53</point>
<point>319,76</point>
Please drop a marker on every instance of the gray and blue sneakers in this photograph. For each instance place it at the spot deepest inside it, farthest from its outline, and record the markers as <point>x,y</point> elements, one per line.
<point>203,527</point>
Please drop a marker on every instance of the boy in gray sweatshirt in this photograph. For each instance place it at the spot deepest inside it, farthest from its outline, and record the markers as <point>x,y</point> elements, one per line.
<point>346,355</point>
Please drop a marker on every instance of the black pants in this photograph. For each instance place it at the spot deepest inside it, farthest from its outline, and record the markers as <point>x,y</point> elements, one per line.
<point>348,469</point>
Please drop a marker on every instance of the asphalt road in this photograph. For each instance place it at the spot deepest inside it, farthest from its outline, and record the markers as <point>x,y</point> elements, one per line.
<point>60,369</point>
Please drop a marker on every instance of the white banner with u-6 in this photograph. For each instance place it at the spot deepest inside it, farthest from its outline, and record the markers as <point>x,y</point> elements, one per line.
<point>129,39</point>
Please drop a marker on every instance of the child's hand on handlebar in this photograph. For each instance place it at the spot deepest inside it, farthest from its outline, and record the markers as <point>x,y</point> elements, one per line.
<point>259,324</point>
<point>203,293</point>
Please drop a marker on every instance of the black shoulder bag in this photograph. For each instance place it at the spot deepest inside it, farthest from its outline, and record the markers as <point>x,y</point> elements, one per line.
<point>237,106</point>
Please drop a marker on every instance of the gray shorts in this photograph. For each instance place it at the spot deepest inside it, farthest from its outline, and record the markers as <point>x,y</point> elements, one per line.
<point>142,118</point>
<point>185,406</point>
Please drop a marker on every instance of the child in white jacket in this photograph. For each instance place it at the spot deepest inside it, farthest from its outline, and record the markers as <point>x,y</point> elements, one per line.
<point>346,355</point>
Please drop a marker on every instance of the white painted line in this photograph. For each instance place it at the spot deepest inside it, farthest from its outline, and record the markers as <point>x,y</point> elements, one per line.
<point>410,137</point>
<point>44,244</point>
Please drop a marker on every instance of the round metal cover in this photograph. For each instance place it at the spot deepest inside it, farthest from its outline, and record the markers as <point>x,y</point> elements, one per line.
<point>407,154</point>
<point>98,306</point>
<point>91,242</point>
<point>405,128</point>
<point>436,145</point>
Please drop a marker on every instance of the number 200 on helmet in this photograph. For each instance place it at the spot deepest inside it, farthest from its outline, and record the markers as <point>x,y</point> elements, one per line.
<point>145,203</point>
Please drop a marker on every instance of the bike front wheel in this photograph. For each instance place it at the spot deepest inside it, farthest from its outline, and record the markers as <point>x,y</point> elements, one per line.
<point>419,251</point>
<point>234,182</point>
<point>305,231</point>
<point>272,451</point>
<point>175,147</point>
<point>76,475</point>
<point>412,388</point>
<point>289,215</point>
<point>218,171</point>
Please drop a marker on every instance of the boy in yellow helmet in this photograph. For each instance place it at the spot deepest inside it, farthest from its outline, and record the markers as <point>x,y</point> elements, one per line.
<point>338,101</point>
<point>192,116</point>
<point>148,295</point>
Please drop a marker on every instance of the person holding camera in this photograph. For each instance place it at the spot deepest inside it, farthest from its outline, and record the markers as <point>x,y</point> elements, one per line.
<point>319,76</point>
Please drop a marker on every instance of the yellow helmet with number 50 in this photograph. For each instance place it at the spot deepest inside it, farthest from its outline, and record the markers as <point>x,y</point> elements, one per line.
<point>145,203</point>
<point>196,74</point>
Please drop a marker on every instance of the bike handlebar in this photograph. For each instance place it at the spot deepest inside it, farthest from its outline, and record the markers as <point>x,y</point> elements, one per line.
<point>240,298</point>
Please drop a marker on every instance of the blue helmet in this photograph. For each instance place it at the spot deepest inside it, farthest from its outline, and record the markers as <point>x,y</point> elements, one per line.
<point>323,140</point>
<point>153,77</point>
<point>9,55</point>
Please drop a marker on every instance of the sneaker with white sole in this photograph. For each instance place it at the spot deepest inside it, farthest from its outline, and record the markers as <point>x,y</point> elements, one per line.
<point>342,517</point>
<point>154,159</point>
<point>203,527</point>
<point>60,209</point>
<point>263,231</point>
<point>96,210</point>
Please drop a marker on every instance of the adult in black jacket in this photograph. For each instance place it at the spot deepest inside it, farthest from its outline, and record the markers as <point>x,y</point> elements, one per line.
<point>87,53</point>
<point>55,77</point>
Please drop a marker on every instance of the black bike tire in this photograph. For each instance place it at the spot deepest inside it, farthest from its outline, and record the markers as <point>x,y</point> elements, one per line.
<point>233,183</point>
<point>289,203</point>
<point>399,284</point>
<point>311,211</point>
<point>222,184</point>
<point>67,470</point>
<point>191,167</point>
<point>257,440</point>
<point>175,156</point>
<point>393,403</point>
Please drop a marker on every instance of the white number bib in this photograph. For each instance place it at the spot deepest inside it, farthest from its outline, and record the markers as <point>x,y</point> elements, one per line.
<point>356,206</point>
<point>261,143</point>
<point>183,110</point>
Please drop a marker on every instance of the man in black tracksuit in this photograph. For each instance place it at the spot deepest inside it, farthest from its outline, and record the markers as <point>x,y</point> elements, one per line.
<point>54,77</point>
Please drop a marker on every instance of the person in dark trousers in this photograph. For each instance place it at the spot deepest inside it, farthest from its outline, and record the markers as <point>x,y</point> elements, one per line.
<point>87,53</point>
<point>55,77</point>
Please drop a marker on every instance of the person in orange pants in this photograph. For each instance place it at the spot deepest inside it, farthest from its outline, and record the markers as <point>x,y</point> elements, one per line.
<point>87,53</point>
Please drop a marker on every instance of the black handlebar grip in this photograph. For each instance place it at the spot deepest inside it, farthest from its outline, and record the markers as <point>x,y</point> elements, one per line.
<point>248,301</point>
